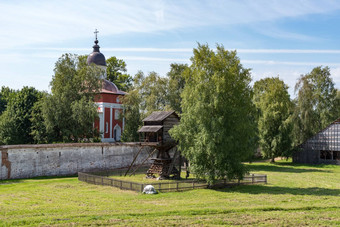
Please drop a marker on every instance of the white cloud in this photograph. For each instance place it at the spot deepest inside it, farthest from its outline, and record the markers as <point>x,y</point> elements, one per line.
<point>30,22</point>
<point>189,50</point>
<point>287,51</point>
<point>335,72</point>
<point>153,59</point>
<point>293,63</point>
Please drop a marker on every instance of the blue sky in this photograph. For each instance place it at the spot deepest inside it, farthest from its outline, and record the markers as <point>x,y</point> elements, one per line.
<point>273,38</point>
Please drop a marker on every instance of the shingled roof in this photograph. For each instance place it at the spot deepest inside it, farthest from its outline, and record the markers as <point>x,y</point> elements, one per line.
<point>150,128</point>
<point>159,115</point>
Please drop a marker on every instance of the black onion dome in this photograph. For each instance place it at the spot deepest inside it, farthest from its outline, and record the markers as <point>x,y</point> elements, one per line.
<point>96,57</point>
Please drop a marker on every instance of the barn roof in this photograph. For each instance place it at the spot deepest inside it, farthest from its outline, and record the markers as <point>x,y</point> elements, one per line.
<point>150,128</point>
<point>159,115</point>
<point>326,139</point>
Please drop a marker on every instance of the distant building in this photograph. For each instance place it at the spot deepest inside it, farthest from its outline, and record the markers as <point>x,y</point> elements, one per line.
<point>322,148</point>
<point>110,109</point>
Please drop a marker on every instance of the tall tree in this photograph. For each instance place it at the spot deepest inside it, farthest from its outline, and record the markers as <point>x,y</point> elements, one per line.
<point>15,124</point>
<point>148,94</point>
<point>176,85</point>
<point>153,92</point>
<point>69,112</point>
<point>274,106</point>
<point>116,73</point>
<point>316,103</point>
<point>132,115</point>
<point>337,104</point>
<point>216,130</point>
<point>38,128</point>
<point>5,96</point>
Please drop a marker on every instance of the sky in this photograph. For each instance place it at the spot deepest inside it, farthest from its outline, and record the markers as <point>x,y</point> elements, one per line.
<point>272,38</point>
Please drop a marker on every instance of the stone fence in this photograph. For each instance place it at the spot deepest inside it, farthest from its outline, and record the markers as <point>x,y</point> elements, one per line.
<point>27,161</point>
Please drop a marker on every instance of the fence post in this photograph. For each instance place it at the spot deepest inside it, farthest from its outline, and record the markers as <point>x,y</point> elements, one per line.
<point>265,179</point>
<point>121,184</point>
<point>177,186</point>
<point>131,186</point>
<point>252,179</point>
<point>193,185</point>
<point>141,187</point>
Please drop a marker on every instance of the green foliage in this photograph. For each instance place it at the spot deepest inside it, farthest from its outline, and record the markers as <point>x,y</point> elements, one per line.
<point>217,130</point>
<point>153,92</point>
<point>176,85</point>
<point>316,104</point>
<point>337,104</point>
<point>15,124</point>
<point>69,112</point>
<point>274,109</point>
<point>38,128</point>
<point>116,73</point>
<point>148,94</point>
<point>132,116</point>
<point>5,96</point>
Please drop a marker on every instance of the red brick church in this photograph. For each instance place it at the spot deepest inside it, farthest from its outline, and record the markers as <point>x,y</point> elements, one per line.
<point>110,123</point>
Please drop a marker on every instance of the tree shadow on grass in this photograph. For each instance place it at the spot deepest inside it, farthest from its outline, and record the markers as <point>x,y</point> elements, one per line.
<point>275,190</point>
<point>285,168</point>
<point>22,180</point>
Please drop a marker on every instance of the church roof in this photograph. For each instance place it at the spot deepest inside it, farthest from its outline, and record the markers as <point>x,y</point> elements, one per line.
<point>96,57</point>
<point>110,88</point>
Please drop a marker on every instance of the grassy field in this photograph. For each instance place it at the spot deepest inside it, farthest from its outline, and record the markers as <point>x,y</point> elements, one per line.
<point>296,195</point>
<point>140,178</point>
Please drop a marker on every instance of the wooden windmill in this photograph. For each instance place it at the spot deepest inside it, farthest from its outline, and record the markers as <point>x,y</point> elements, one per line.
<point>155,133</point>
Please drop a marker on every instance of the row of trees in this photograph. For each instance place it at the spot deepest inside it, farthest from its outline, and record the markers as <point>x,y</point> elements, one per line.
<point>152,93</point>
<point>65,115</point>
<point>223,118</point>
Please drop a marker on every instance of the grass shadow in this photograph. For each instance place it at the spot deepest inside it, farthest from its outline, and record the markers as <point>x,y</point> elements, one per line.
<point>15,181</point>
<point>276,190</point>
<point>285,167</point>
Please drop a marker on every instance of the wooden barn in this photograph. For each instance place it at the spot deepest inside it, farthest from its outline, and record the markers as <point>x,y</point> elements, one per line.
<point>322,148</point>
<point>157,125</point>
<point>155,133</point>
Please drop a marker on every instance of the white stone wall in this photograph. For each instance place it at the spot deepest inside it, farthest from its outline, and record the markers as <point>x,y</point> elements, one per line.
<point>26,161</point>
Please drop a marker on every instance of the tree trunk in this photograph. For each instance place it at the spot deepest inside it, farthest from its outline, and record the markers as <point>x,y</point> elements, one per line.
<point>273,160</point>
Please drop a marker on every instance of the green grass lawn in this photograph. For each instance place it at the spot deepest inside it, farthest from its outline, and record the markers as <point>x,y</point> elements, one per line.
<point>296,195</point>
<point>140,177</point>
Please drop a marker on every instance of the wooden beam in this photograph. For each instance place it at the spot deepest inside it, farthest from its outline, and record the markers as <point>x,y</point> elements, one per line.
<point>172,164</point>
<point>143,162</point>
<point>134,159</point>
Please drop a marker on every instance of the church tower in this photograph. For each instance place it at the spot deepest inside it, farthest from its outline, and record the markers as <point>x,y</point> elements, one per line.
<point>110,108</point>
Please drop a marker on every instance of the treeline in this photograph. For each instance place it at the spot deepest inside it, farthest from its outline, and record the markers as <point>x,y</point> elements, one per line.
<point>213,96</point>
<point>278,123</point>
<point>65,115</point>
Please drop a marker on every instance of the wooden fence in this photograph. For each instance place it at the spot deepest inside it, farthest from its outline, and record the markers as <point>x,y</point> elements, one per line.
<point>168,186</point>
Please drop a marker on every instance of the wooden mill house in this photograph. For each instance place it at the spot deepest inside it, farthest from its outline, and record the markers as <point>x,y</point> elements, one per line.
<point>155,133</point>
